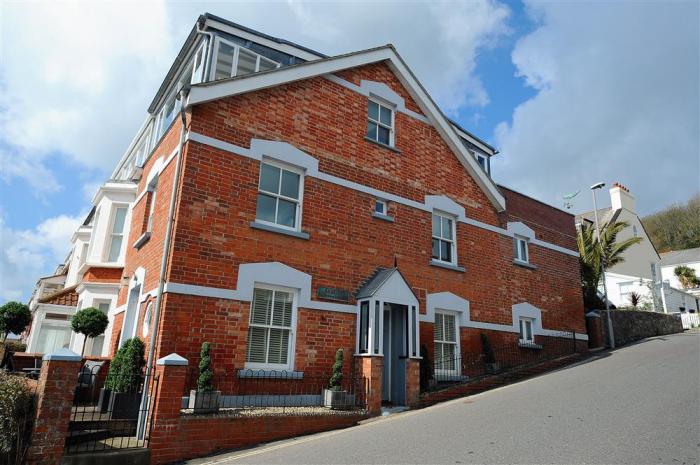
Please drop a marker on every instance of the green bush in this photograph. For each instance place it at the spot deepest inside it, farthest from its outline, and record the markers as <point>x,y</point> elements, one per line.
<point>16,416</point>
<point>126,366</point>
<point>90,322</point>
<point>14,317</point>
<point>487,350</point>
<point>336,380</point>
<point>205,371</point>
<point>15,346</point>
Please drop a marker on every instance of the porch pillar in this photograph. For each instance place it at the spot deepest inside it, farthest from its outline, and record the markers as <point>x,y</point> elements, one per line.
<point>412,382</point>
<point>370,368</point>
<point>55,393</point>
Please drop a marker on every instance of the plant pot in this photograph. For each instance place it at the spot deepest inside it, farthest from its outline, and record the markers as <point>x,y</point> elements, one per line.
<point>336,399</point>
<point>204,401</point>
<point>103,400</point>
<point>492,368</point>
<point>125,405</point>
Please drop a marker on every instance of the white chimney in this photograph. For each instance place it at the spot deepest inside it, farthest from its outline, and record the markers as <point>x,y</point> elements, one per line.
<point>620,197</point>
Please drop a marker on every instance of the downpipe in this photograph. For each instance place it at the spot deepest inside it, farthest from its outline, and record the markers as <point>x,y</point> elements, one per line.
<point>144,406</point>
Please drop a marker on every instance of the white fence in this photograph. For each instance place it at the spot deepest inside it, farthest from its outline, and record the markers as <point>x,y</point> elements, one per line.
<point>690,320</point>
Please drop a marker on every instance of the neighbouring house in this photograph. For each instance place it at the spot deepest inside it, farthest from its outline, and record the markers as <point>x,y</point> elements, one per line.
<point>671,260</point>
<point>281,204</point>
<point>641,270</point>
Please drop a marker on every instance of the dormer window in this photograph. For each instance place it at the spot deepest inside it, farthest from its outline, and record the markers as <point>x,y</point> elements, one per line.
<point>380,123</point>
<point>233,60</point>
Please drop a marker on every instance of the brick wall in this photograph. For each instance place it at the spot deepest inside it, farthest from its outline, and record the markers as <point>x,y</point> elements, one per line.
<point>102,275</point>
<point>217,202</point>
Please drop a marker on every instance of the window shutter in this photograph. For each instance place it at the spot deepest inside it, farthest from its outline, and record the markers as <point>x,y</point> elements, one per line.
<point>439,336</point>
<point>257,344</point>
<point>279,346</point>
<point>262,304</point>
<point>449,328</point>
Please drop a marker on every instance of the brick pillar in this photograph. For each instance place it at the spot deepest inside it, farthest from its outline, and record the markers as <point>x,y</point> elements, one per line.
<point>594,328</point>
<point>371,367</point>
<point>412,382</point>
<point>55,392</point>
<point>164,443</point>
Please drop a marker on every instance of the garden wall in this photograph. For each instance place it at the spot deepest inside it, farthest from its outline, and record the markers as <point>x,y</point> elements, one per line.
<point>633,325</point>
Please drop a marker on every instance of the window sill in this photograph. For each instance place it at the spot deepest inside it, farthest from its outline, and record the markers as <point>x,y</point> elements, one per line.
<point>269,374</point>
<point>529,345</point>
<point>275,229</point>
<point>142,240</point>
<point>524,264</point>
<point>390,147</point>
<point>382,217</point>
<point>447,266</point>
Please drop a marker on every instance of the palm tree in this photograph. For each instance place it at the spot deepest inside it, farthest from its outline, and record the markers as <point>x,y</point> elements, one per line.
<point>594,253</point>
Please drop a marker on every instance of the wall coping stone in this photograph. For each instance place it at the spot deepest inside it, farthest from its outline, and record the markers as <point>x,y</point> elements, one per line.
<point>62,355</point>
<point>173,360</point>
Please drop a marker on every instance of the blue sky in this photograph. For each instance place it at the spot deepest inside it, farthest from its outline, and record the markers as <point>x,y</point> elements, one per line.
<point>570,93</point>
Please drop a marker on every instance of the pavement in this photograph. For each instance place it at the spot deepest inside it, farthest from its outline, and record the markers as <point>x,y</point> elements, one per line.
<point>639,404</point>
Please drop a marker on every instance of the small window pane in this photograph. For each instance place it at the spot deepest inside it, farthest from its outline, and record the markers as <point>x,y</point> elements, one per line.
<point>446,251</point>
<point>376,327</point>
<point>261,307</point>
<point>290,184</point>
<point>266,65</point>
<point>380,207</point>
<point>383,135</point>
<point>385,116</point>
<point>282,314</point>
<point>447,228</point>
<point>436,249</point>
<point>523,250</point>
<point>266,208</point>
<point>286,213</point>
<point>364,326</point>
<point>246,62</point>
<point>224,61</point>
<point>269,178</point>
<point>119,217</point>
<point>257,344</point>
<point>436,225</point>
<point>373,111</point>
<point>372,130</point>
<point>279,346</point>
<point>114,248</point>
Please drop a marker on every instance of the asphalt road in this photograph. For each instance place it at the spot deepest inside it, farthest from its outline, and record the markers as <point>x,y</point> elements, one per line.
<point>636,405</point>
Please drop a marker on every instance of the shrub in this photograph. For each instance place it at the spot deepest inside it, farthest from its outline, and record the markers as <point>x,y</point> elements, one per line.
<point>90,322</point>
<point>15,346</point>
<point>14,317</point>
<point>426,368</point>
<point>205,371</point>
<point>125,369</point>
<point>336,380</point>
<point>487,350</point>
<point>16,417</point>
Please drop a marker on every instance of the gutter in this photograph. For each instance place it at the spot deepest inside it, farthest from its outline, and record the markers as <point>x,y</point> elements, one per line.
<point>167,243</point>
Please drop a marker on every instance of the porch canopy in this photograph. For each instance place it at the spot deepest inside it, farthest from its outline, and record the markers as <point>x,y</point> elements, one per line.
<point>386,287</point>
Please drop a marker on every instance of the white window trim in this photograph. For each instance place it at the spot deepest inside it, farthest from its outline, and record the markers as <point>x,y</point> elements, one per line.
<point>522,340</point>
<point>518,241</point>
<point>110,233</point>
<point>389,107</point>
<point>234,64</point>
<point>299,201</point>
<point>457,370</point>
<point>292,331</point>
<point>453,254</point>
<point>479,157</point>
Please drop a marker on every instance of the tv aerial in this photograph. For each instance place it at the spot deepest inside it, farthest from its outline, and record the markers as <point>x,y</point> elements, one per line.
<point>568,199</point>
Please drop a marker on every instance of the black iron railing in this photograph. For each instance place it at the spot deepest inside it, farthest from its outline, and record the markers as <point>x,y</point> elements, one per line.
<point>469,366</point>
<point>271,392</point>
<point>102,420</point>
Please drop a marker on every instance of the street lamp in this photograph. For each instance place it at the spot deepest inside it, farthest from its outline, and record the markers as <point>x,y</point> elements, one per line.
<point>611,336</point>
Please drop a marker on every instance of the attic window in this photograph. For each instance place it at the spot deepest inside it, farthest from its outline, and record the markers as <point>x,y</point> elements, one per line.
<point>483,161</point>
<point>232,60</point>
<point>380,123</point>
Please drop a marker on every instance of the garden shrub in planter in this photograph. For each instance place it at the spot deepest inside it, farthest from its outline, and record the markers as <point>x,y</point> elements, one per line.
<point>489,357</point>
<point>17,410</point>
<point>124,379</point>
<point>204,399</point>
<point>334,397</point>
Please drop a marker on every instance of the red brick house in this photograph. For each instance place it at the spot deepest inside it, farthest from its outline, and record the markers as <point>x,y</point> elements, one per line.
<point>289,204</point>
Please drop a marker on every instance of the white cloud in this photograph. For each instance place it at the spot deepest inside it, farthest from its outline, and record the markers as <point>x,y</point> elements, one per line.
<point>617,101</point>
<point>27,254</point>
